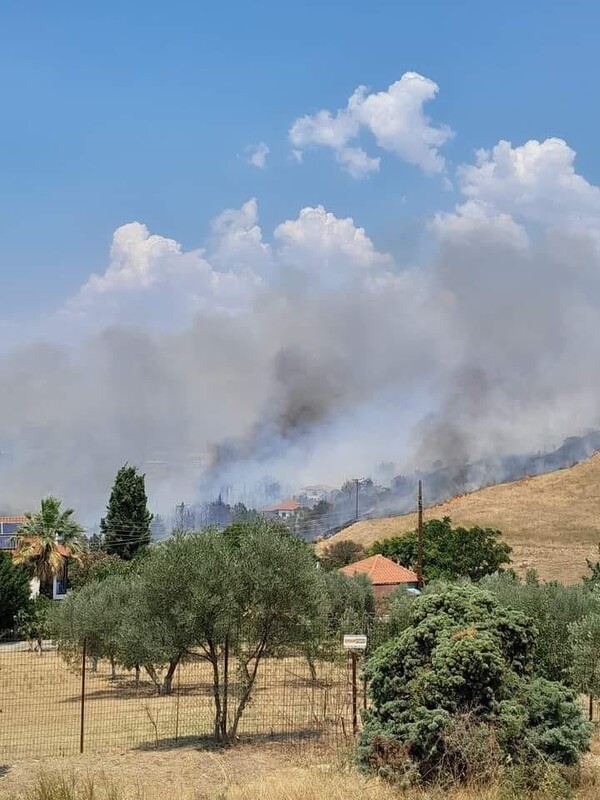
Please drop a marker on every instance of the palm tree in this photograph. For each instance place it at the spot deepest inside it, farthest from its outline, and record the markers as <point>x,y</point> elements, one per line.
<point>41,541</point>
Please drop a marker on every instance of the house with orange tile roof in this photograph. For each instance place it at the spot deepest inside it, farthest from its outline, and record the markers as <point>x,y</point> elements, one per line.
<point>9,542</point>
<point>385,575</point>
<point>285,509</point>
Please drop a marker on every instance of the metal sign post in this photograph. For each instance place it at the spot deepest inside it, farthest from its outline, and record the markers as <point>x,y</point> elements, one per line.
<point>355,644</point>
<point>82,716</point>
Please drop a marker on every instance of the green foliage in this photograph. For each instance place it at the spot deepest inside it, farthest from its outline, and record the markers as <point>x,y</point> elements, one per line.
<point>456,682</point>
<point>32,622</point>
<point>553,608</point>
<point>350,600</point>
<point>96,614</point>
<point>553,724</point>
<point>14,591</point>
<point>449,552</point>
<point>340,554</point>
<point>585,649</point>
<point>236,596</point>
<point>95,565</point>
<point>347,605</point>
<point>396,620</point>
<point>40,537</point>
<point>126,527</point>
<point>593,579</point>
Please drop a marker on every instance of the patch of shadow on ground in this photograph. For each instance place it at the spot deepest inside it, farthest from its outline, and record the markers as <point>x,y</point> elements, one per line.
<point>208,743</point>
<point>200,742</point>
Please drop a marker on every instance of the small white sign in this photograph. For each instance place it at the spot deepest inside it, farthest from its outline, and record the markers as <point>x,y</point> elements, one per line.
<point>355,642</point>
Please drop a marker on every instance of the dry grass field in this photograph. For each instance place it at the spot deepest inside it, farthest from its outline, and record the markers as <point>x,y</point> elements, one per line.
<point>40,707</point>
<point>39,715</point>
<point>551,521</point>
<point>245,773</point>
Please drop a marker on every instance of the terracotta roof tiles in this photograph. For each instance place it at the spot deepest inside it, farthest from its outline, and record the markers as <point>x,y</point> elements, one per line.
<point>285,505</point>
<point>381,570</point>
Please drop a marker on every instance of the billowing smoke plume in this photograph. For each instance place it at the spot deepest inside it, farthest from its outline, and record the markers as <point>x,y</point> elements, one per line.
<point>309,354</point>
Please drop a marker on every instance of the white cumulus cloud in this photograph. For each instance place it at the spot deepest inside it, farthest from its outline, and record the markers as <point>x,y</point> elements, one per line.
<point>153,279</point>
<point>256,155</point>
<point>535,183</point>
<point>395,118</point>
<point>319,241</point>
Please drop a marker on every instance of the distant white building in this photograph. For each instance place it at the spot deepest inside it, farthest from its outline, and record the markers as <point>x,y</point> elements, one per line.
<point>317,492</point>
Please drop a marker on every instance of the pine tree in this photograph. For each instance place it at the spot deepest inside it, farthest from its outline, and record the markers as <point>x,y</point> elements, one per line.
<point>126,527</point>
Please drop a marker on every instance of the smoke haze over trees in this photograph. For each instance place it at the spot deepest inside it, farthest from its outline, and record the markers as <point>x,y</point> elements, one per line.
<point>310,355</point>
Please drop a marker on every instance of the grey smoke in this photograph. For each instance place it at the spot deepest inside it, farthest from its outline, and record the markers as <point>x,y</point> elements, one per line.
<point>489,349</point>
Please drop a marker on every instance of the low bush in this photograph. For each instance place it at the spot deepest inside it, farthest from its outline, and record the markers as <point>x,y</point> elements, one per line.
<point>453,698</point>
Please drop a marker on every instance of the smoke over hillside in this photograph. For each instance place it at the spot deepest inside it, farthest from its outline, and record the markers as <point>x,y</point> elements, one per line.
<point>310,355</point>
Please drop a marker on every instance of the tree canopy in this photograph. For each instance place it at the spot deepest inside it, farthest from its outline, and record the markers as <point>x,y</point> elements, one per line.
<point>340,554</point>
<point>553,609</point>
<point>14,591</point>
<point>238,595</point>
<point>585,650</point>
<point>449,552</point>
<point>126,526</point>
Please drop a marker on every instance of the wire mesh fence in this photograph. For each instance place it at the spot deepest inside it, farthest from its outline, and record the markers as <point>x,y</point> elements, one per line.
<point>51,707</point>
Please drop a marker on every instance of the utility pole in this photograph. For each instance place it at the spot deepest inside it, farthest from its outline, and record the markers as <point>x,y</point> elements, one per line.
<point>420,537</point>
<point>357,486</point>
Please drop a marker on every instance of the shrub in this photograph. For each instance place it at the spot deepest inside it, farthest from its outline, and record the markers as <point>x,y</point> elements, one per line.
<point>32,623</point>
<point>14,591</point>
<point>452,698</point>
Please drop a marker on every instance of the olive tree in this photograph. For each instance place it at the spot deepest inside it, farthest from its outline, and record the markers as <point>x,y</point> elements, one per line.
<point>229,598</point>
<point>585,649</point>
<point>95,614</point>
<point>553,608</point>
<point>347,606</point>
<point>276,596</point>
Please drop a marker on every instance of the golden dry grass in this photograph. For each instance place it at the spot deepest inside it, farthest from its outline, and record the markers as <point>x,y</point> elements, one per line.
<point>240,774</point>
<point>40,706</point>
<point>552,521</point>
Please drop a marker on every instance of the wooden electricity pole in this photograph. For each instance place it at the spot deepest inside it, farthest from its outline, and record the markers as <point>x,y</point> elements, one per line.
<point>420,537</point>
<point>357,487</point>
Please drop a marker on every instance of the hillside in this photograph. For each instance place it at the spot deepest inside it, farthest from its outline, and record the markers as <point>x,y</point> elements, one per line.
<point>551,521</point>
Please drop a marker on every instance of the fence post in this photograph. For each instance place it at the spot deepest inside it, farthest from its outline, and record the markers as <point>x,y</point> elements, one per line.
<point>354,695</point>
<point>177,703</point>
<point>82,721</point>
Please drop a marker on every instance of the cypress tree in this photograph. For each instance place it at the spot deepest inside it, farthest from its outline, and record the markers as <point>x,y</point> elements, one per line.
<point>126,527</point>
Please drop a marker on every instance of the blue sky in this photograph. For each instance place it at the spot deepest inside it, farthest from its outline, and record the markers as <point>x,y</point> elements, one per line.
<point>142,110</point>
<point>412,273</point>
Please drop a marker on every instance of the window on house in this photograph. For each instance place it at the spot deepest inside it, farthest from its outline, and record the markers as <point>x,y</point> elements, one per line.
<point>62,581</point>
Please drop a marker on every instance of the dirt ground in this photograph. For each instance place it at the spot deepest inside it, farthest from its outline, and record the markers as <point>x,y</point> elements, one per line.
<point>40,706</point>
